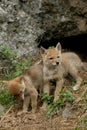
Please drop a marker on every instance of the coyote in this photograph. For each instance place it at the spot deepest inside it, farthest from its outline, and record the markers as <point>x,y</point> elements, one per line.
<point>26,86</point>
<point>52,68</point>
<point>56,66</point>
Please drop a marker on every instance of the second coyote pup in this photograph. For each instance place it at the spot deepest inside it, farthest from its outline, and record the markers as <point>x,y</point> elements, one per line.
<point>25,86</point>
<point>56,65</point>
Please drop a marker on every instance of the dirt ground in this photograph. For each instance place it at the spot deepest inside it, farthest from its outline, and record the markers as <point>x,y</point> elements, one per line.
<point>39,121</point>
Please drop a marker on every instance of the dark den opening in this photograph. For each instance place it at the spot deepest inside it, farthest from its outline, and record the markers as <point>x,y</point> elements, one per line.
<point>73,43</point>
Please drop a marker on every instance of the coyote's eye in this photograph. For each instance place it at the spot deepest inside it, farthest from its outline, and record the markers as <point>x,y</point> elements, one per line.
<point>58,56</point>
<point>51,58</point>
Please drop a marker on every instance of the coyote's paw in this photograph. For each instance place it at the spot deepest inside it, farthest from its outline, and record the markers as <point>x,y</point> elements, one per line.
<point>43,108</point>
<point>33,111</point>
<point>76,87</point>
<point>21,112</point>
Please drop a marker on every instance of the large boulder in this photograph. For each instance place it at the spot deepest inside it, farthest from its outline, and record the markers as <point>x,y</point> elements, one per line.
<point>26,23</point>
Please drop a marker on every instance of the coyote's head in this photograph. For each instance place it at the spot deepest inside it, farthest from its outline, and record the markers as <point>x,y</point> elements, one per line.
<point>51,56</point>
<point>15,88</point>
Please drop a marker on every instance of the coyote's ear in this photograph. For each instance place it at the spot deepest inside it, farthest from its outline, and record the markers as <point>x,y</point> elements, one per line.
<point>58,47</point>
<point>42,50</point>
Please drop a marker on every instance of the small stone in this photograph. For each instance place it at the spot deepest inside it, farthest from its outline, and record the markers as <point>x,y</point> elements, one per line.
<point>1,110</point>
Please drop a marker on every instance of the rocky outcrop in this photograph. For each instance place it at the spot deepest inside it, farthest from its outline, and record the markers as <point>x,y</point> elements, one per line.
<point>26,23</point>
<point>18,29</point>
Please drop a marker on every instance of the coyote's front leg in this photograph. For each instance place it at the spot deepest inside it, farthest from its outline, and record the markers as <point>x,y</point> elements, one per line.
<point>46,89</point>
<point>26,103</point>
<point>59,85</point>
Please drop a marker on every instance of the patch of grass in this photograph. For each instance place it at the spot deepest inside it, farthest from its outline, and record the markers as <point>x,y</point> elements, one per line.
<point>6,99</point>
<point>77,128</point>
<point>19,66</point>
<point>46,98</point>
<point>5,52</point>
<point>82,125</point>
<point>51,47</point>
<point>53,107</point>
<point>84,82</point>
<point>65,96</point>
<point>84,98</point>
<point>84,120</point>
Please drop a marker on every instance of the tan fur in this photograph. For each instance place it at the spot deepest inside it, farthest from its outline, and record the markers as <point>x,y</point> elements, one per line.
<point>16,85</point>
<point>53,68</point>
<point>56,66</point>
<point>25,87</point>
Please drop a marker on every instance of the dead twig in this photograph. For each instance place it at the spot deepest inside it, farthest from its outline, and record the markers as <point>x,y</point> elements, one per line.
<point>79,99</point>
<point>6,113</point>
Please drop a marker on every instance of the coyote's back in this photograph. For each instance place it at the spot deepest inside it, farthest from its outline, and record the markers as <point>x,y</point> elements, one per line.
<point>56,65</point>
<point>71,62</point>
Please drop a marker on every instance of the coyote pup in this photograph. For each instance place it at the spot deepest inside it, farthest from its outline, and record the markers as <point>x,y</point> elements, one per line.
<point>25,86</point>
<point>56,66</point>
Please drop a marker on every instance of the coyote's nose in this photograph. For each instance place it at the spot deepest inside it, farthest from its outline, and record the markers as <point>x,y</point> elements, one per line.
<point>57,63</point>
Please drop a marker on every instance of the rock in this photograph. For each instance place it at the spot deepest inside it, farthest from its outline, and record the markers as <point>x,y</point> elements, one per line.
<point>24,24</point>
<point>1,110</point>
<point>66,113</point>
<point>3,15</point>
